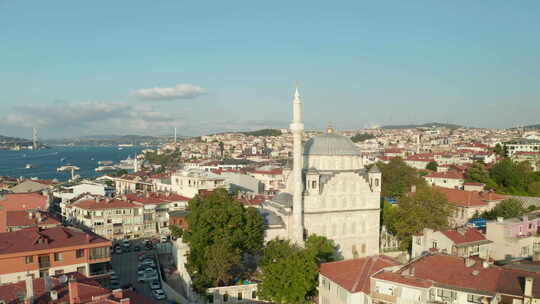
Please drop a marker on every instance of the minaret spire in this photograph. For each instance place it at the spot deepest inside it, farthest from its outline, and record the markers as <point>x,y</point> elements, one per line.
<point>297,129</point>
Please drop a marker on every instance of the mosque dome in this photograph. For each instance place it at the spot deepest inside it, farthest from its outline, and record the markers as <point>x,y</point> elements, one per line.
<point>331,144</point>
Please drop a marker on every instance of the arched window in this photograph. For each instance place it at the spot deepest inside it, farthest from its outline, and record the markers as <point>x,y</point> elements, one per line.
<point>376,182</point>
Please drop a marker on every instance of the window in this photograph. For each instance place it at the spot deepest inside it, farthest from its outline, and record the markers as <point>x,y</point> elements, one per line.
<point>58,256</point>
<point>81,270</point>
<point>418,240</point>
<point>313,184</point>
<point>474,298</point>
<point>225,297</point>
<point>376,182</point>
<point>79,253</point>
<point>239,297</point>
<point>58,272</point>
<point>210,298</point>
<point>434,244</point>
<point>29,259</point>
<point>99,253</point>
<point>254,294</point>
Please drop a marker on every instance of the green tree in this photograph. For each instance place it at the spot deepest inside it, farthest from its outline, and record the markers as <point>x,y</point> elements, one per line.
<point>508,208</point>
<point>219,218</point>
<point>512,177</point>
<point>500,150</point>
<point>321,248</point>
<point>534,188</point>
<point>359,137</point>
<point>220,259</point>
<point>288,279</point>
<point>398,177</point>
<point>426,208</point>
<point>478,173</point>
<point>390,217</point>
<point>432,165</point>
<point>176,232</point>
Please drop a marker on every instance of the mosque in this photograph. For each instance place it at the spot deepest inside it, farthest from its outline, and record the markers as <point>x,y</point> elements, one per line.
<point>328,192</point>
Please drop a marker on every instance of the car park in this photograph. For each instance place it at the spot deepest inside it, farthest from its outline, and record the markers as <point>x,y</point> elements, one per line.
<point>154,284</point>
<point>148,263</point>
<point>118,250</point>
<point>159,294</point>
<point>137,248</point>
<point>114,276</point>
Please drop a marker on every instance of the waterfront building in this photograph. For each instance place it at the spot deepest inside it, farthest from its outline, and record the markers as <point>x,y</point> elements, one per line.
<point>39,253</point>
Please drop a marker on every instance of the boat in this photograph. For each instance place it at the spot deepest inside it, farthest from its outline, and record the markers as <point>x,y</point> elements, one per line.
<point>67,168</point>
<point>29,166</point>
<point>125,145</point>
<point>105,162</point>
<point>105,168</point>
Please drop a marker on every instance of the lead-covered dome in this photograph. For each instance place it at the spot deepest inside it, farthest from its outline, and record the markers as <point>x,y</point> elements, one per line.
<point>330,144</point>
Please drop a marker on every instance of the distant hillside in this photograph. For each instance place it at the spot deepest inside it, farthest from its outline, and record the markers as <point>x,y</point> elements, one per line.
<point>426,125</point>
<point>537,126</point>
<point>263,132</point>
<point>10,140</point>
<point>101,140</point>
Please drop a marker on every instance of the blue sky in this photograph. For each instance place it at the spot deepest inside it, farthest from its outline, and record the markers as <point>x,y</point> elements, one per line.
<point>92,67</point>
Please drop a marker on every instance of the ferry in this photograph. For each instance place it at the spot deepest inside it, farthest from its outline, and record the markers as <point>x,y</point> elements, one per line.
<point>105,162</point>
<point>67,168</point>
<point>105,168</point>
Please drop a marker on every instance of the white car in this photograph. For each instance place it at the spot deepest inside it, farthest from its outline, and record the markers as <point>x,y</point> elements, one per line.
<point>154,284</point>
<point>159,294</point>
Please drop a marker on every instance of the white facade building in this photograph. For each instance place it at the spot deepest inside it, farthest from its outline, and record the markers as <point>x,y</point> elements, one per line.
<point>328,193</point>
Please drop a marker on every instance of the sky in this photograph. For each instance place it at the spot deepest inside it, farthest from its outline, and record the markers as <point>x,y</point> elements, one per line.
<point>73,68</point>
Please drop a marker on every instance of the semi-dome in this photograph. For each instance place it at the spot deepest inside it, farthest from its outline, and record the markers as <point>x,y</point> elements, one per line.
<point>330,144</point>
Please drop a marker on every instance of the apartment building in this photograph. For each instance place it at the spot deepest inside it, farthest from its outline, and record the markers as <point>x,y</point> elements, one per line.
<point>462,242</point>
<point>41,253</point>
<point>450,179</point>
<point>190,182</point>
<point>522,145</point>
<point>111,218</point>
<point>515,237</point>
<point>348,281</point>
<point>440,278</point>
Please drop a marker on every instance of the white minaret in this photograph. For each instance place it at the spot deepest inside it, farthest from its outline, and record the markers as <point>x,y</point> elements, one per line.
<point>297,129</point>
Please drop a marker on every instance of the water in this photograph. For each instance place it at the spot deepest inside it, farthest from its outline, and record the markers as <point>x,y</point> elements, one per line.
<point>45,161</point>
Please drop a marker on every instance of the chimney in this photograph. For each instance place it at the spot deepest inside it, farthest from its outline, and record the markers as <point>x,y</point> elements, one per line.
<point>54,295</point>
<point>73,291</point>
<point>29,289</point>
<point>413,188</point>
<point>528,286</point>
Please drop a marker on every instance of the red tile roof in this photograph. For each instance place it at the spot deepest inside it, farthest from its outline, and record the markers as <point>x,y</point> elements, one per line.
<point>86,289</point>
<point>31,239</point>
<point>22,201</point>
<point>511,282</point>
<point>451,270</point>
<point>463,198</point>
<point>354,275</point>
<point>103,204</point>
<point>26,219</point>
<point>406,280</point>
<point>447,175</point>
<point>156,198</point>
<point>469,235</point>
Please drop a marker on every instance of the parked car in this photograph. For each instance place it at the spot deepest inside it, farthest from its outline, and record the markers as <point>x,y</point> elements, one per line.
<point>148,263</point>
<point>164,239</point>
<point>155,284</point>
<point>118,250</point>
<point>159,294</point>
<point>137,248</point>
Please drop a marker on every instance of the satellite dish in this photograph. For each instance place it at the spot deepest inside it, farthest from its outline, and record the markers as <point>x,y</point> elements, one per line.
<point>63,279</point>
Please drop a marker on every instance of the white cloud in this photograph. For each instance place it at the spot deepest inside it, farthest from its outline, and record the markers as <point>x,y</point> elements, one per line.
<point>180,91</point>
<point>91,117</point>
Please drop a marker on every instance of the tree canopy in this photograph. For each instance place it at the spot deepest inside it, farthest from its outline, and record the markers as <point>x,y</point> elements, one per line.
<point>426,208</point>
<point>398,177</point>
<point>508,208</point>
<point>220,226</point>
<point>432,165</point>
<point>289,273</point>
<point>359,137</point>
